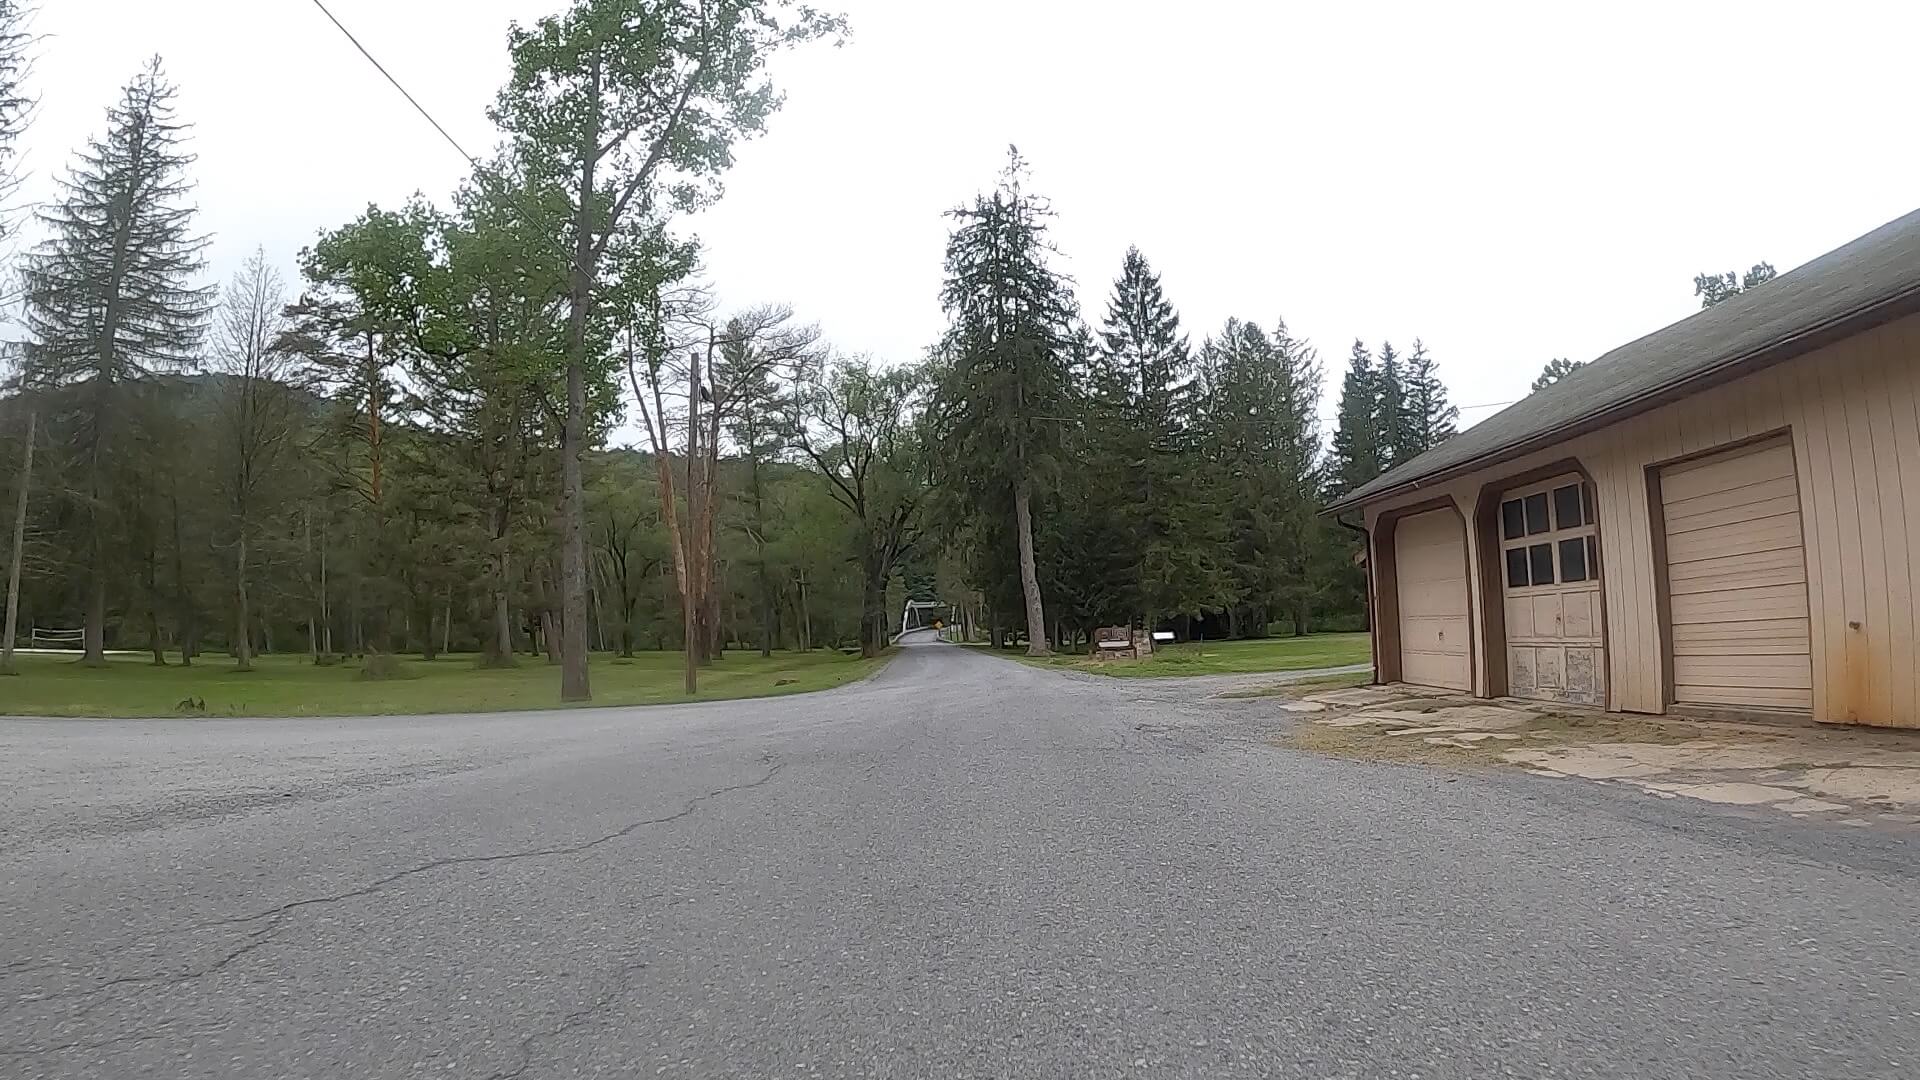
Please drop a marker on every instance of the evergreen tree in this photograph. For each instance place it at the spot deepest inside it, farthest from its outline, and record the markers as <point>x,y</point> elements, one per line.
<point>1143,363</point>
<point>1393,419</point>
<point>1263,421</point>
<point>1145,459</point>
<point>1357,453</point>
<point>1718,288</point>
<point>110,295</point>
<point>1008,382</point>
<point>1431,417</point>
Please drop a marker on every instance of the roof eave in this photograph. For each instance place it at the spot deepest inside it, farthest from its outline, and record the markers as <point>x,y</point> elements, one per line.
<point>1799,343</point>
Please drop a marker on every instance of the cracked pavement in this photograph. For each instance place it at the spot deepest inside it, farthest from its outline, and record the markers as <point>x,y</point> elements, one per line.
<point>962,867</point>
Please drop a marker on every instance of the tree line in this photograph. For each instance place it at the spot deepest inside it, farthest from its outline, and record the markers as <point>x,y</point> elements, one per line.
<point>521,422</point>
<point>1121,474</point>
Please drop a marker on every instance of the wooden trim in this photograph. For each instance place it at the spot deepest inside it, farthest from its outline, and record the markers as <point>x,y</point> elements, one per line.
<point>1493,579</point>
<point>1383,573</point>
<point>1657,529</point>
<point>1662,590</point>
<point>1729,447</point>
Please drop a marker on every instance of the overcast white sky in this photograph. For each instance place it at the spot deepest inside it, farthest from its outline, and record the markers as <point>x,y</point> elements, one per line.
<point>1510,182</point>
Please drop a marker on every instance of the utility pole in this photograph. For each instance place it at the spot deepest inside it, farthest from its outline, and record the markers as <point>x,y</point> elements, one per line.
<point>19,551</point>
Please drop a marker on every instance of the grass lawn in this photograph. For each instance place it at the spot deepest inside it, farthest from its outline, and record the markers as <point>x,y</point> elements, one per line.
<point>53,685</point>
<point>1226,657</point>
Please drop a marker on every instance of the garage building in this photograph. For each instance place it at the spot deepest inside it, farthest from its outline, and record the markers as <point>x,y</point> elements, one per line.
<point>1722,516</point>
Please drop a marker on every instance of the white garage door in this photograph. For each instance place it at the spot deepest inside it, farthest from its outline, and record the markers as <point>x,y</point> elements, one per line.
<point>1430,564</point>
<point>1737,580</point>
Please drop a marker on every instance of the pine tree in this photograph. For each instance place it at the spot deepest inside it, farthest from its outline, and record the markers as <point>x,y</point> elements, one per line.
<point>1264,424</point>
<point>110,295</point>
<point>1145,456</point>
<point>1715,289</point>
<point>1557,368</point>
<point>1357,452</point>
<point>1393,419</point>
<point>1143,363</point>
<point>1008,382</point>
<point>1431,416</point>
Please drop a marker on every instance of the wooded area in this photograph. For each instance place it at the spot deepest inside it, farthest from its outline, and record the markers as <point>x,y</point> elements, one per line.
<point>520,423</point>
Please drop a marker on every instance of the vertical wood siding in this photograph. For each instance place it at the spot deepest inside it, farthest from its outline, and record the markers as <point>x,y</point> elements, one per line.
<point>1852,410</point>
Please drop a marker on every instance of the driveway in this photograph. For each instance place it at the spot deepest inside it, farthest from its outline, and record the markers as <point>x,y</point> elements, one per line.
<point>963,867</point>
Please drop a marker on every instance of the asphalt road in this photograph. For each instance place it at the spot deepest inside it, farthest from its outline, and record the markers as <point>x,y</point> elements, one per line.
<point>962,868</point>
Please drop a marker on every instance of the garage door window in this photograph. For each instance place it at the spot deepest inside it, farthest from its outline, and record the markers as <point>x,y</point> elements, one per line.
<point>1547,536</point>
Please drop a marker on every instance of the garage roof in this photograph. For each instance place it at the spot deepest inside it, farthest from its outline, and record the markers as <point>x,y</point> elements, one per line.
<point>1847,290</point>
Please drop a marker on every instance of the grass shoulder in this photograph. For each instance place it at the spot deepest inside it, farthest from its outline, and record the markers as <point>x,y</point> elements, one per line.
<point>1248,657</point>
<point>131,686</point>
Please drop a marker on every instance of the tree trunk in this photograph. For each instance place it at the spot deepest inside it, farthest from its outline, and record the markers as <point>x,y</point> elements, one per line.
<point>429,646</point>
<point>693,580</point>
<point>446,622</point>
<point>806,618</point>
<point>326,603</point>
<point>574,684</point>
<point>19,552</point>
<point>1029,575</point>
<point>873,607</point>
<point>95,634</point>
<point>766,611</point>
<point>96,631</point>
<point>550,636</point>
<point>306,572</point>
<point>243,639</point>
<point>499,648</point>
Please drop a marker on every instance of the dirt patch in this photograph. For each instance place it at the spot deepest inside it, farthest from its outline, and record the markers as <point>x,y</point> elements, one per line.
<point>1375,741</point>
<point>1859,776</point>
<point>1300,688</point>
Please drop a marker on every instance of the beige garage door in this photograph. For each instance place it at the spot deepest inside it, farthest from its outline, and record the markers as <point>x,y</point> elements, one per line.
<point>1737,580</point>
<point>1430,563</point>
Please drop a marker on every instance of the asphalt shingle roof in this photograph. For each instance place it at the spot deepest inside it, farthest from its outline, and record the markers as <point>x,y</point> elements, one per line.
<point>1842,292</point>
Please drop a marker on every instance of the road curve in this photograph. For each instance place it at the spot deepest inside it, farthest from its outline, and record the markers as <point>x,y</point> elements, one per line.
<point>962,867</point>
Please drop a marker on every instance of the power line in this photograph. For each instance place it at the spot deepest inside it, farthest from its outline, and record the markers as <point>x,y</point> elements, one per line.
<point>381,68</point>
<point>501,189</point>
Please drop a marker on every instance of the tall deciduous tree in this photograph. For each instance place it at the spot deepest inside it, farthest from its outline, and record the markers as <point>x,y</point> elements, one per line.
<point>632,108</point>
<point>1008,382</point>
<point>258,417</point>
<point>110,293</point>
<point>861,428</point>
<point>16,104</point>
